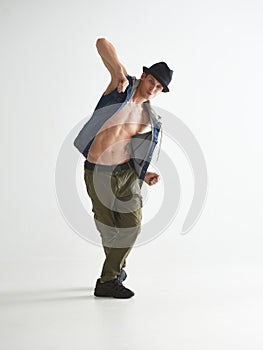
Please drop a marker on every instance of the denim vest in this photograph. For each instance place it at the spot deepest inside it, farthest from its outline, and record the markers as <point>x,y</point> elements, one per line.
<point>142,145</point>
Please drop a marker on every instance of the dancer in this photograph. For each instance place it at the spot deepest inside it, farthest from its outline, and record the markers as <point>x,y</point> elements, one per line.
<point>118,142</point>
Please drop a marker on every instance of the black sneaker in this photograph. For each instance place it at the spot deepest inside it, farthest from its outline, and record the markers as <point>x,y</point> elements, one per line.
<point>113,288</point>
<point>122,276</point>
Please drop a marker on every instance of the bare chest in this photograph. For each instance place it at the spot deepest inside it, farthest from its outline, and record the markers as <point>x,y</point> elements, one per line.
<point>132,119</point>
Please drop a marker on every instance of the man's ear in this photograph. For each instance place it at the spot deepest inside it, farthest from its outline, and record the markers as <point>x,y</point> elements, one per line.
<point>143,76</point>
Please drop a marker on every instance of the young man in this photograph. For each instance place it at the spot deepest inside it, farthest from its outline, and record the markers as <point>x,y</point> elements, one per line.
<point>118,142</point>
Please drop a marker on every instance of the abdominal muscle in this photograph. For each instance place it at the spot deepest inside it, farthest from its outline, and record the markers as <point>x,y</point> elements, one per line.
<point>111,145</point>
<point>109,149</point>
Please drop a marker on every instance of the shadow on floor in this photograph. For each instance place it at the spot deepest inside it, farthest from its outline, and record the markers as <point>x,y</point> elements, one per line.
<point>45,295</point>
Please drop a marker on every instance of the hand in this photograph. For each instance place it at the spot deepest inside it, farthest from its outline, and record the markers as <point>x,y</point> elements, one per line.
<point>151,178</point>
<point>122,81</point>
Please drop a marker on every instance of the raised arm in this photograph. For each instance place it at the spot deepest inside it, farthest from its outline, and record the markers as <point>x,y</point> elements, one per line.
<point>110,59</point>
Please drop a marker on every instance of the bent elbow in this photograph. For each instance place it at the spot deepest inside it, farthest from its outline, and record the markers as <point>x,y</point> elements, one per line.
<point>100,41</point>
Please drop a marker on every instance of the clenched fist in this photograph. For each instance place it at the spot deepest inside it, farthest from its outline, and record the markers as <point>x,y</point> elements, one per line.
<point>151,178</point>
<point>122,82</point>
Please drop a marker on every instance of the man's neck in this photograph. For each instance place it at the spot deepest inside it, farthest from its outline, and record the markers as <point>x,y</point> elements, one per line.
<point>137,98</point>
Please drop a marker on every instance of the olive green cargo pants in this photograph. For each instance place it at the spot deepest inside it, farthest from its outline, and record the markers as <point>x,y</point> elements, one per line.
<point>116,204</point>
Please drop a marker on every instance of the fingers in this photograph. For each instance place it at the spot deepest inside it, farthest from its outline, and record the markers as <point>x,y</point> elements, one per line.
<point>154,180</point>
<point>122,85</point>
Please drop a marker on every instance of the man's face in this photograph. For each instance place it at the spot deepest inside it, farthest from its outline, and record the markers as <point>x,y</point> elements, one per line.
<point>149,86</point>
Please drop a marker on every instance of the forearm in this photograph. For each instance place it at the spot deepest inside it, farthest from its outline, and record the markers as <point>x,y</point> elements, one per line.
<point>109,56</point>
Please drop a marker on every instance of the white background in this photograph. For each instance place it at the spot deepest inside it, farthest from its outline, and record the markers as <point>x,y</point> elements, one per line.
<point>199,291</point>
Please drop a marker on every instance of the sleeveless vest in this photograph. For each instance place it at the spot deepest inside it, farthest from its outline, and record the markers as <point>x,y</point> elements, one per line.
<point>142,145</point>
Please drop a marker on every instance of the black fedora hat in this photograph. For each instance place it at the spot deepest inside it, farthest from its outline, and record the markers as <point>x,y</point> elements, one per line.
<point>161,72</point>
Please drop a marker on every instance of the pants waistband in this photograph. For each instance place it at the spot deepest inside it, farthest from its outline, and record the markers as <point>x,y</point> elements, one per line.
<point>109,168</point>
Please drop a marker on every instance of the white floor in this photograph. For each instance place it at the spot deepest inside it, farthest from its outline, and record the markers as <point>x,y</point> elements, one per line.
<point>49,304</point>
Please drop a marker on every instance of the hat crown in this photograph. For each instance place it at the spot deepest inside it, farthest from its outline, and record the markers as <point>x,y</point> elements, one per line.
<point>162,73</point>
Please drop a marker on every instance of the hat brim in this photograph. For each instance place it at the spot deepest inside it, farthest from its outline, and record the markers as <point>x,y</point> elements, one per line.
<point>148,71</point>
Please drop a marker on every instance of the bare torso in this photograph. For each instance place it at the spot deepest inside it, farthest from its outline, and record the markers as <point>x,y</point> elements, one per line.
<point>111,144</point>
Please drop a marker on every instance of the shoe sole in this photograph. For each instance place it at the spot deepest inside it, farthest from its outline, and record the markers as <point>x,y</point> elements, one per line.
<point>113,296</point>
